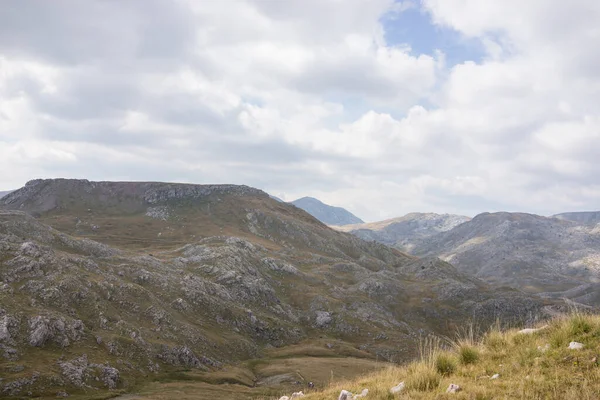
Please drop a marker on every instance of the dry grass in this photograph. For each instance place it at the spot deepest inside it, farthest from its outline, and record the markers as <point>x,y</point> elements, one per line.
<point>527,370</point>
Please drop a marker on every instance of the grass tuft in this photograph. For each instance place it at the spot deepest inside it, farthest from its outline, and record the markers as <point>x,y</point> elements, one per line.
<point>445,363</point>
<point>468,354</point>
<point>422,378</point>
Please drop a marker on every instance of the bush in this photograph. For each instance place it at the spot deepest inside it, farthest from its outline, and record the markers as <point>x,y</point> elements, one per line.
<point>579,325</point>
<point>422,378</point>
<point>445,364</point>
<point>468,354</point>
<point>495,340</point>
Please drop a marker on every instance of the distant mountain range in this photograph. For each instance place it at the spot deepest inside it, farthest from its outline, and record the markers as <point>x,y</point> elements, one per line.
<point>2,194</point>
<point>405,232</point>
<point>551,256</point>
<point>585,217</point>
<point>325,213</point>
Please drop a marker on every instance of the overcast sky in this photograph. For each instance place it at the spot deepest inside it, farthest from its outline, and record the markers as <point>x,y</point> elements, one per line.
<point>382,107</point>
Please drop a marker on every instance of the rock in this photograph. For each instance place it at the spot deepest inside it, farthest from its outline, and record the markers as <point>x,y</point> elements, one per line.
<point>40,331</point>
<point>110,377</point>
<point>398,388</point>
<point>362,394</point>
<point>529,331</point>
<point>62,394</point>
<point>323,319</point>
<point>544,348</point>
<point>495,376</point>
<point>453,388</point>
<point>284,398</point>
<point>76,370</point>
<point>576,346</point>
<point>296,395</point>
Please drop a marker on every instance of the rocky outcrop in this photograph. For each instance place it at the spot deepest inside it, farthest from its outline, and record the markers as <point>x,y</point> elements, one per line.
<point>46,329</point>
<point>79,372</point>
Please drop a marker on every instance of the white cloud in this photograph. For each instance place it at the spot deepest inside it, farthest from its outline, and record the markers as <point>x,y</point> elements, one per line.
<point>308,98</point>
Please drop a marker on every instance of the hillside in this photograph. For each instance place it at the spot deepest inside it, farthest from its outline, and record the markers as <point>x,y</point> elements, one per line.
<point>406,232</point>
<point>2,194</point>
<point>533,253</point>
<point>325,213</point>
<point>586,217</point>
<point>502,364</point>
<point>113,285</point>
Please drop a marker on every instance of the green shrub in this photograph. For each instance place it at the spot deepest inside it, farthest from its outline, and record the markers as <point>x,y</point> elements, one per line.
<point>579,325</point>
<point>422,378</point>
<point>468,354</point>
<point>495,340</point>
<point>445,364</point>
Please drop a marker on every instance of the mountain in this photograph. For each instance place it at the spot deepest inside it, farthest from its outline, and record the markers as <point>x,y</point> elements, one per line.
<point>2,194</point>
<point>405,232</point>
<point>113,285</point>
<point>540,255</point>
<point>586,217</point>
<point>325,213</point>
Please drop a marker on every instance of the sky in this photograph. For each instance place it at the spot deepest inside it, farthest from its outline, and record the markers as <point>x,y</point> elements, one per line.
<point>379,106</point>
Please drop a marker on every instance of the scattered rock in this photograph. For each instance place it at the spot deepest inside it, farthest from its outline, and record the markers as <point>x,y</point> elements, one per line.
<point>345,395</point>
<point>453,388</point>
<point>544,348</point>
<point>398,388</point>
<point>296,395</point>
<point>576,346</point>
<point>495,376</point>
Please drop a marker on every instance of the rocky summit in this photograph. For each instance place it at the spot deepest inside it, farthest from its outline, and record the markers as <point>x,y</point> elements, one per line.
<point>110,285</point>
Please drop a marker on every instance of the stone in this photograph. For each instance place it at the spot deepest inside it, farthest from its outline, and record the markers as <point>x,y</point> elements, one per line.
<point>576,346</point>
<point>398,388</point>
<point>544,348</point>
<point>453,388</point>
<point>110,377</point>
<point>529,331</point>
<point>495,376</point>
<point>323,319</point>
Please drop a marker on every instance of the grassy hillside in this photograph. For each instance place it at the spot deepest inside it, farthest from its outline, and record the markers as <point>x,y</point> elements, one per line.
<point>530,366</point>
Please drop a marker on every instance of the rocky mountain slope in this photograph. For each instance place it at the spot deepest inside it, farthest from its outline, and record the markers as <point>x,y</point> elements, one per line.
<point>325,213</point>
<point>406,232</point>
<point>586,217</point>
<point>533,253</point>
<point>2,194</point>
<point>114,284</point>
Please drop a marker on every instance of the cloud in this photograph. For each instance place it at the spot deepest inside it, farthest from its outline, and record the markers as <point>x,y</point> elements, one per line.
<point>309,98</point>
